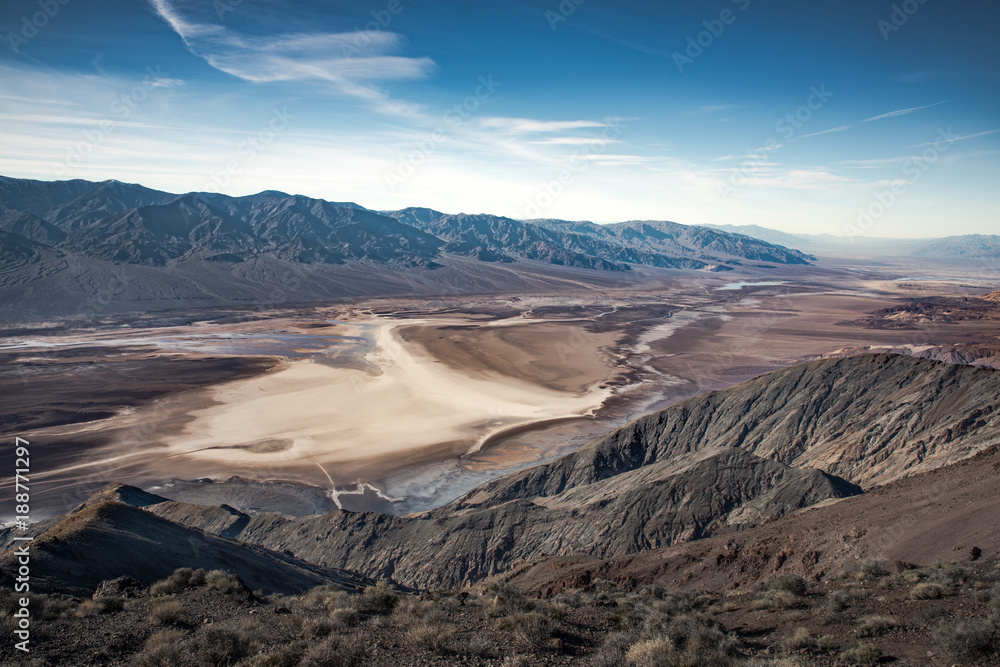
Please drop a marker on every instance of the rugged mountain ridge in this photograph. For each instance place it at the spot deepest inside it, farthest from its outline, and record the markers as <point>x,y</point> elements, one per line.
<point>711,465</point>
<point>113,245</point>
<point>968,246</point>
<point>105,539</point>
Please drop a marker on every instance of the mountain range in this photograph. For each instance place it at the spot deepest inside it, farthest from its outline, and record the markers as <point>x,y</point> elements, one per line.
<point>969,246</point>
<point>107,246</point>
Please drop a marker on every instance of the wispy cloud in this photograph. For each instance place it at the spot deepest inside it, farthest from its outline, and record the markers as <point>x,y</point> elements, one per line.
<point>341,59</point>
<point>528,125</point>
<point>715,108</point>
<point>832,129</point>
<point>901,112</point>
<point>571,141</point>
<point>963,138</point>
<point>876,163</point>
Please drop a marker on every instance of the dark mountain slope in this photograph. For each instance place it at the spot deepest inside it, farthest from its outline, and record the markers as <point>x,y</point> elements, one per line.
<point>658,505</point>
<point>712,465</point>
<point>192,249</point>
<point>937,515</point>
<point>106,539</point>
<point>868,419</point>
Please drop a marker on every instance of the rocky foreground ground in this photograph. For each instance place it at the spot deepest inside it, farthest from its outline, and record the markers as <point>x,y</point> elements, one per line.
<point>942,614</point>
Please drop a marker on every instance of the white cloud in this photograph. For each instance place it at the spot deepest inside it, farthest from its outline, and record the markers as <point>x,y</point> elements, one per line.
<point>963,138</point>
<point>901,112</point>
<point>526,125</point>
<point>349,61</point>
<point>833,129</point>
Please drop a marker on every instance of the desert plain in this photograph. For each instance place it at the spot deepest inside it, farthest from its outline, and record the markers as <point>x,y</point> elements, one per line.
<point>401,405</point>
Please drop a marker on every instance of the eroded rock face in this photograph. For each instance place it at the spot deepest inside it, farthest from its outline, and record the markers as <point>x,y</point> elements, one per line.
<point>715,463</point>
<point>708,466</point>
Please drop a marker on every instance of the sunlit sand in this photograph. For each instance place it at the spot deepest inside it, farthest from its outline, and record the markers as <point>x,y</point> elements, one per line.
<point>311,411</point>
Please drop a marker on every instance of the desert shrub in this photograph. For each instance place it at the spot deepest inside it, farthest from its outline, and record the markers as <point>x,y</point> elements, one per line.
<point>217,646</point>
<point>529,627</point>
<point>827,643</point>
<point>613,649</point>
<point>289,655</point>
<point>873,569</point>
<point>776,599</point>
<point>926,591</point>
<point>166,655</point>
<point>227,583</point>
<point>799,640</point>
<point>838,600</point>
<point>333,650</point>
<point>965,639</point>
<point>379,599</point>
<point>166,612</point>
<point>164,637</point>
<point>872,626</point>
<point>327,596</point>
<point>478,645</point>
<point>554,609</point>
<point>344,617</point>
<point>516,661</point>
<point>317,628</point>
<point>701,637</point>
<point>505,600</point>
<point>183,577</point>
<point>89,608</point>
<point>652,653</point>
<point>792,583</point>
<point>430,634</point>
<point>100,606</point>
<point>862,654</point>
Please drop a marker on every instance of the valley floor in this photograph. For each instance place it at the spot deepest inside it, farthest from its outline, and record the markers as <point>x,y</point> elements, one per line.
<point>404,405</point>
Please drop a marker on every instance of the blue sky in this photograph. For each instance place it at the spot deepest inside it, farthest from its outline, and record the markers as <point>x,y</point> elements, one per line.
<point>855,117</point>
